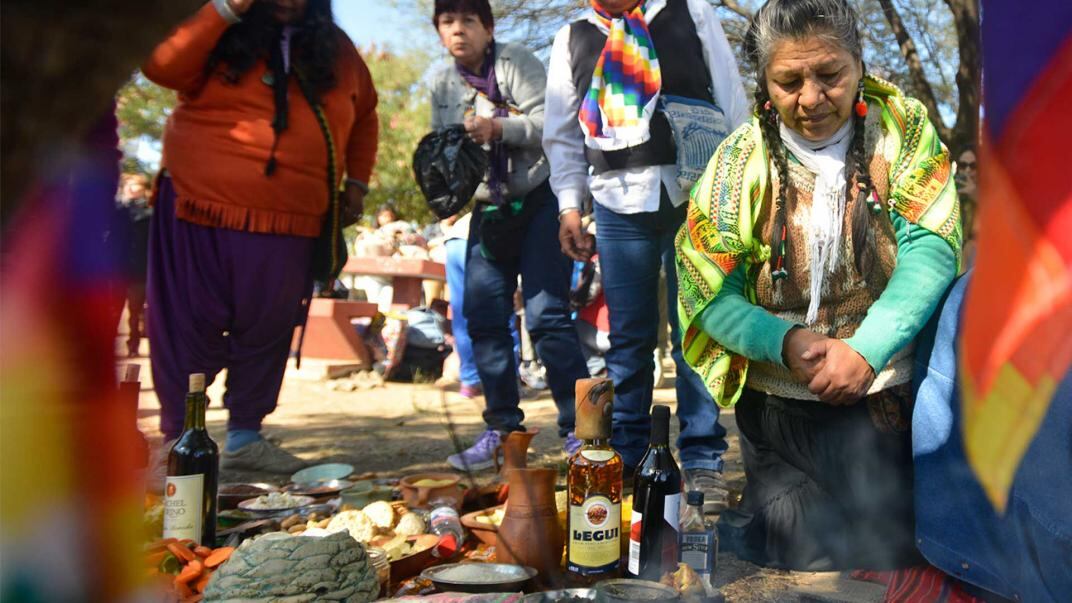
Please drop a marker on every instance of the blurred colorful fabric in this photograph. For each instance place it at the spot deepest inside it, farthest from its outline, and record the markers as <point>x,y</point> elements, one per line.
<point>69,501</point>
<point>1017,343</point>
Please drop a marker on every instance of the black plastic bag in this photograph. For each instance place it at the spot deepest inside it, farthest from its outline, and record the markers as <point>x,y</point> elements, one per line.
<point>448,167</point>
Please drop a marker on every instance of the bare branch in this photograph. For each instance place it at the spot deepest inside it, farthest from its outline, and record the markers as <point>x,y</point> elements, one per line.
<point>915,66</point>
<point>966,19</point>
<point>735,7</point>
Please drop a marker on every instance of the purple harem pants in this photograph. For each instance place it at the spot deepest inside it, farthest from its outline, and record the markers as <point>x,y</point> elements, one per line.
<point>221,299</point>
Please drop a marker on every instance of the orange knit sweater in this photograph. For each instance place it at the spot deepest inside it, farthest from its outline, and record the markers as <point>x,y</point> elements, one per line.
<point>219,137</point>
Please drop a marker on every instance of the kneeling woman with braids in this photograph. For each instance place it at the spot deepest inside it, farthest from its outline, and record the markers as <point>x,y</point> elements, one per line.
<point>818,244</point>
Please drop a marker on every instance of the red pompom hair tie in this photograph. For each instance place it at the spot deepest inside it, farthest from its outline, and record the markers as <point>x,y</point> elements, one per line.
<point>861,108</point>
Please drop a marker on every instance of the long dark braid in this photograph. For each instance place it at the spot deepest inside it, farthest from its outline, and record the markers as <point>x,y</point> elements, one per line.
<point>860,222</point>
<point>768,123</point>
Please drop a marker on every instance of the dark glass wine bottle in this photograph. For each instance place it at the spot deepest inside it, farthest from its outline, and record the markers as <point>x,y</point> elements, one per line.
<point>192,474</point>
<point>653,533</point>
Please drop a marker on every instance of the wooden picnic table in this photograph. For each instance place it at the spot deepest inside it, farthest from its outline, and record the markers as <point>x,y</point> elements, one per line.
<point>406,276</point>
<point>329,333</point>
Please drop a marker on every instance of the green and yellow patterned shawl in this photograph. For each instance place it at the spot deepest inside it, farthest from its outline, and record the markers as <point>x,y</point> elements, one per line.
<point>719,233</point>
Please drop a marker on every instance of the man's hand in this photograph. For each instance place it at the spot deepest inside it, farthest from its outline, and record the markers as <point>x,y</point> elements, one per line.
<point>483,130</point>
<point>796,342</point>
<point>843,377</point>
<point>239,7</point>
<point>353,205</point>
<point>575,242</point>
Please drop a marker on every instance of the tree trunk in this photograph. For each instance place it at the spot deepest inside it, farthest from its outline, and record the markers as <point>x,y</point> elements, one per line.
<point>61,65</point>
<point>923,89</point>
<point>965,133</point>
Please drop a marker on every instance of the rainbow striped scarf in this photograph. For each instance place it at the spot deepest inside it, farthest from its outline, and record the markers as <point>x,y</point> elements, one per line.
<point>625,84</point>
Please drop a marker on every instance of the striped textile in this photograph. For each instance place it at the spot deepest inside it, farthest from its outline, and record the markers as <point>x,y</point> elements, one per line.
<point>617,109</point>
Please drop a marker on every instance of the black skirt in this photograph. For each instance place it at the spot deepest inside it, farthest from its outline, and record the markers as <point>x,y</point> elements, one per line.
<point>826,490</point>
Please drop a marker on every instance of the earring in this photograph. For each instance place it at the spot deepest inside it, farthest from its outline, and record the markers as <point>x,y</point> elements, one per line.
<point>861,104</point>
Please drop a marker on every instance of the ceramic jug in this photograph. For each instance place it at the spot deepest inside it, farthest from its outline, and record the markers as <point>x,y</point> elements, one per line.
<point>530,533</point>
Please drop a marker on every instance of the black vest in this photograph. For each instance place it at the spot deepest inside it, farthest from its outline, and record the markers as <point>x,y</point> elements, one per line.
<point>684,73</point>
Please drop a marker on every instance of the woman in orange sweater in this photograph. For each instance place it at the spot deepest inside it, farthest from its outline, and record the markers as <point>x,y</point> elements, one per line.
<point>242,197</point>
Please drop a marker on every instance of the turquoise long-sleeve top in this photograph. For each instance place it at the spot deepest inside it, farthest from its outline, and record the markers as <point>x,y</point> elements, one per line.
<point>926,265</point>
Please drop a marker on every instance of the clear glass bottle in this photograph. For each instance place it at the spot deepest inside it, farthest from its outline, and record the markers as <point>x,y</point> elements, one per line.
<point>444,522</point>
<point>379,560</point>
<point>699,540</point>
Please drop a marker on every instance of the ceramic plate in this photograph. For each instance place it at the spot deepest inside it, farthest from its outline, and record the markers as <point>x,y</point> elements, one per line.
<point>299,501</point>
<point>322,473</point>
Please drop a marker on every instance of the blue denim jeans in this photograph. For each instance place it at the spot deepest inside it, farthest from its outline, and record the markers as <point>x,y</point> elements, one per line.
<point>632,250</point>
<point>463,345</point>
<point>1024,553</point>
<point>489,302</point>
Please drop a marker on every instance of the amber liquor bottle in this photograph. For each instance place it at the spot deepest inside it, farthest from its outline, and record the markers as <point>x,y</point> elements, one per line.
<point>593,550</point>
<point>192,474</point>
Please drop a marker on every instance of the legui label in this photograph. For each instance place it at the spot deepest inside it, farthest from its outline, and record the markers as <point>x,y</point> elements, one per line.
<point>183,497</point>
<point>595,536</point>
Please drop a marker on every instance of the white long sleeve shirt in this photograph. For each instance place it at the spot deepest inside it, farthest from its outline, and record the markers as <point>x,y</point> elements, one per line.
<point>631,190</point>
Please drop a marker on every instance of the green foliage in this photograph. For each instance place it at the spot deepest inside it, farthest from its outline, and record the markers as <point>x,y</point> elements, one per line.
<point>405,114</point>
<point>142,108</point>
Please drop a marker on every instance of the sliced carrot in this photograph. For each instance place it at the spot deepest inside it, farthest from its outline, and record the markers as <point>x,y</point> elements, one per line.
<point>184,554</point>
<point>188,542</point>
<point>219,556</point>
<point>202,582</point>
<point>196,598</point>
<point>184,591</point>
<point>190,573</point>
<point>202,551</point>
<point>154,559</point>
<point>159,545</point>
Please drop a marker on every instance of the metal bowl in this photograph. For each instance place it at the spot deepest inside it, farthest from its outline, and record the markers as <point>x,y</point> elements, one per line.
<point>319,489</point>
<point>569,595</point>
<point>229,495</point>
<point>479,577</point>
<point>621,591</point>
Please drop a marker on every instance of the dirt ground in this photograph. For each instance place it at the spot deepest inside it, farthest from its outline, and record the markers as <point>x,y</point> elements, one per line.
<point>397,429</point>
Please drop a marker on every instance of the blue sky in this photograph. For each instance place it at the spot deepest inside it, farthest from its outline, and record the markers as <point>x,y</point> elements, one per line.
<point>379,22</point>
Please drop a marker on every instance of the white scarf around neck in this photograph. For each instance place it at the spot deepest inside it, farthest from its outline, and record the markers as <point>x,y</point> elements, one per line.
<point>825,159</point>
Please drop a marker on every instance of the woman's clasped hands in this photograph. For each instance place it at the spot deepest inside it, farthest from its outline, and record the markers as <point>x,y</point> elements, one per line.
<point>831,369</point>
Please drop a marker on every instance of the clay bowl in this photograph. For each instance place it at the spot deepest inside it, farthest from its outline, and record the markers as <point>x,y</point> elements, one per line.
<point>229,495</point>
<point>420,496</point>
<point>485,532</point>
<point>417,561</point>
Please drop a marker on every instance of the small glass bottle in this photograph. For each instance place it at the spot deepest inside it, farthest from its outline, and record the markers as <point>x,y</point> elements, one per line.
<point>379,560</point>
<point>699,540</point>
<point>444,522</point>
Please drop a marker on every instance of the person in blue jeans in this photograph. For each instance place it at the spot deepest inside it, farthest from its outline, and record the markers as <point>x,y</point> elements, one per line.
<point>629,169</point>
<point>1023,554</point>
<point>496,91</point>
<point>456,247</point>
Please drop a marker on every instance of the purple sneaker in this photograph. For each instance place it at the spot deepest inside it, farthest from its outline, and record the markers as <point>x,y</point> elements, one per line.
<point>480,455</point>
<point>571,445</point>
<point>470,391</point>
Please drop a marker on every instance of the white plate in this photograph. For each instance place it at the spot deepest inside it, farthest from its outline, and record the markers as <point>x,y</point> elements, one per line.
<point>299,501</point>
